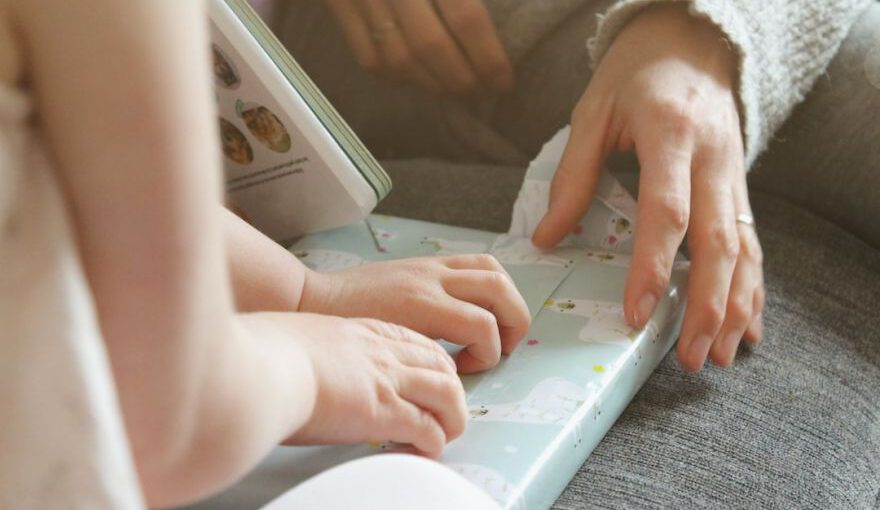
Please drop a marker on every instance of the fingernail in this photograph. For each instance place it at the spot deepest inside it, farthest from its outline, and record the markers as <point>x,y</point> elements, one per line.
<point>700,347</point>
<point>645,309</point>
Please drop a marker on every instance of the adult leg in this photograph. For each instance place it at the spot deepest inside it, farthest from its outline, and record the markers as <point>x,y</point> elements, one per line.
<point>826,158</point>
<point>546,40</point>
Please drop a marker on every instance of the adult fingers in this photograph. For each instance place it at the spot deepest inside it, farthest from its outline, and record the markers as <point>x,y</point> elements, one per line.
<point>750,253</point>
<point>745,298</point>
<point>357,33</point>
<point>396,55</point>
<point>755,332</point>
<point>663,214</point>
<point>472,26</point>
<point>714,246</point>
<point>738,313</point>
<point>495,292</point>
<point>575,180</point>
<point>433,45</point>
<point>440,394</point>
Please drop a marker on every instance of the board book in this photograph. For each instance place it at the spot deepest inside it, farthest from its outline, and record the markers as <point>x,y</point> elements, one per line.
<point>292,165</point>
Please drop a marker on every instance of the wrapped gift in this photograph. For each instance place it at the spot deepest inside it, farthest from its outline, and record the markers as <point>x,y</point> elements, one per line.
<point>536,416</point>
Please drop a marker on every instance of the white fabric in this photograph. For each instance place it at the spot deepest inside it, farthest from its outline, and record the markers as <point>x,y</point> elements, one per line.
<point>386,482</point>
<point>62,442</point>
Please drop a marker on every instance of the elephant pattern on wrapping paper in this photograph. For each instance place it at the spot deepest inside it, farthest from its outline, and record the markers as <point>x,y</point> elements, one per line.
<point>605,322</point>
<point>552,401</point>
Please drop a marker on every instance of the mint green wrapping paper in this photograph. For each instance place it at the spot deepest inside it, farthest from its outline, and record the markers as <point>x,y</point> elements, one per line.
<point>535,418</point>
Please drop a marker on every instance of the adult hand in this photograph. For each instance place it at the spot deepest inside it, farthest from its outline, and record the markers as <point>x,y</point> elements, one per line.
<point>469,300</point>
<point>665,88</point>
<point>444,46</point>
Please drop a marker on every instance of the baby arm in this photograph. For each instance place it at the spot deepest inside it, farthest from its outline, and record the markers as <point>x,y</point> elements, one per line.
<point>124,96</point>
<point>205,392</point>
<point>468,300</point>
<point>265,276</point>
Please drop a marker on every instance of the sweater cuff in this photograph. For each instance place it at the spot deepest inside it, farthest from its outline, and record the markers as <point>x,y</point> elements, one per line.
<point>734,29</point>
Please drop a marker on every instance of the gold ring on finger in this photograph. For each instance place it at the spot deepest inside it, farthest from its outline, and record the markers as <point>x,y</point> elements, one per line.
<point>746,219</point>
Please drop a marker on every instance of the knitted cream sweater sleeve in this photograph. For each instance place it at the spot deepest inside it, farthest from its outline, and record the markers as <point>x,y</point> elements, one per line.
<point>783,47</point>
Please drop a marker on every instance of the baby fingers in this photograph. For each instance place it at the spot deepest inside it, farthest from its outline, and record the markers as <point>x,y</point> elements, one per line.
<point>439,394</point>
<point>493,291</point>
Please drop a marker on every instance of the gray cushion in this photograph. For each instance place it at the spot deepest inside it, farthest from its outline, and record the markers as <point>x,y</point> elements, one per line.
<point>794,423</point>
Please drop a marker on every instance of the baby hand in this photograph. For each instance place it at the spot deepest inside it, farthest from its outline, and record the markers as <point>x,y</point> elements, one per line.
<point>378,381</point>
<point>469,300</point>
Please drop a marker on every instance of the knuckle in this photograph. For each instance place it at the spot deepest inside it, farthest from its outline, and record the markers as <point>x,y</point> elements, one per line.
<point>417,270</point>
<point>722,239</point>
<point>713,313</point>
<point>486,324</point>
<point>442,359</point>
<point>675,210</point>
<point>750,249</point>
<point>488,261</point>
<point>450,389</point>
<point>382,329</point>
<point>384,360</point>
<point>675,114</point>
<point>657,275</point>
<point>429,428</point>
<point>398,333</point>
<point>386,396</point>
<point>498,282</point>
<point>376,327</point>
<point>715,130</point>
<point>739,311</point>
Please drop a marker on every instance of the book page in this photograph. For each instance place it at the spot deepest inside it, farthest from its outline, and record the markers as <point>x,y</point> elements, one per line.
<point>285,173</point>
